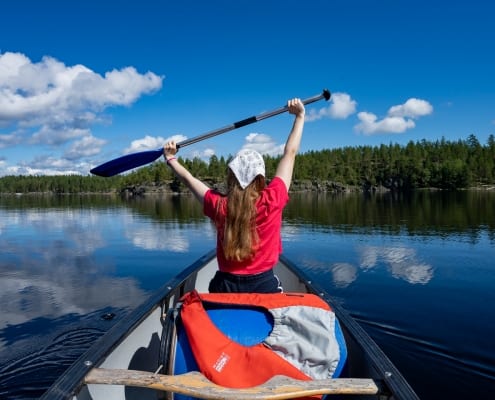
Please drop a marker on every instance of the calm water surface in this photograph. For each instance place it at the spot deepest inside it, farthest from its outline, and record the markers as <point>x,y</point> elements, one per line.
<point>416,271</point>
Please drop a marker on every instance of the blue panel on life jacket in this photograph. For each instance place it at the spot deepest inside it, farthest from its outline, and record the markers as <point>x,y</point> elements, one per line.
<point>245,325</point>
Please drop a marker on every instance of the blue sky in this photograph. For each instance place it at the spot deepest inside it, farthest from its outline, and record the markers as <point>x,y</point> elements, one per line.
<point>84,82</point>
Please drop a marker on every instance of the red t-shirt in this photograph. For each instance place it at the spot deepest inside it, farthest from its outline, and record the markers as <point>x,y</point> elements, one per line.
<point>270,206</point>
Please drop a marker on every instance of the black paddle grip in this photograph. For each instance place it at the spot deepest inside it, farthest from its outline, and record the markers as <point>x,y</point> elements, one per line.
<point>244,122</point>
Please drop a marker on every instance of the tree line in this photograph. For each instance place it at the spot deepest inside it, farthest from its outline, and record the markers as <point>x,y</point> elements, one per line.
<point>439,164</point>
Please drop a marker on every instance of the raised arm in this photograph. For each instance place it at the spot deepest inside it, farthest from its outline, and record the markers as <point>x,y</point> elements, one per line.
<point>197,187</point>
<point>286,165</point>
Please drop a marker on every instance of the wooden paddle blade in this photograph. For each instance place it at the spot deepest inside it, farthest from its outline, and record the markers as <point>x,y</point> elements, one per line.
<point>126,163</point>
<point>196,385</point>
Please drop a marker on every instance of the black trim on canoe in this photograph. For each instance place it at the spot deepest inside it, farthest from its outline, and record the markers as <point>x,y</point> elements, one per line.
<point>73,378</point>
<point>386,369</point>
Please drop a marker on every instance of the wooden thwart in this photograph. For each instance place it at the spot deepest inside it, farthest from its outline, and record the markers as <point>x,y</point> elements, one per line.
<point>196,385</point>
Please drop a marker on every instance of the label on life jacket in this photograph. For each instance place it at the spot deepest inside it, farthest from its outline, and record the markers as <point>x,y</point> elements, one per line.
<point>301,345</point>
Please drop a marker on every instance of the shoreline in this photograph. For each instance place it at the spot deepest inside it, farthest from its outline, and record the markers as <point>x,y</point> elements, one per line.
<point>171,189</point>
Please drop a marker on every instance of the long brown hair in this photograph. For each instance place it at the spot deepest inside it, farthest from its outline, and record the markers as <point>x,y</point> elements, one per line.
<point>240,235</point>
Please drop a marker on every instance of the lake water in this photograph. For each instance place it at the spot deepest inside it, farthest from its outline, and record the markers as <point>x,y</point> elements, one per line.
<point>417,271</point>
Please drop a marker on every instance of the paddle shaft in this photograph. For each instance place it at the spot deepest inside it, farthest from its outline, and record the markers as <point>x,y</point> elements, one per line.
<point>325,95</point>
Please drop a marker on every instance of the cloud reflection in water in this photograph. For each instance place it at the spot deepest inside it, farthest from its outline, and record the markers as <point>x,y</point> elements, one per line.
<point>50,266</point>
<point>401,262</point>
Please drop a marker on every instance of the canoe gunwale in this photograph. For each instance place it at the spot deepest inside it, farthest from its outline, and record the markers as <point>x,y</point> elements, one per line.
<point>71,382</point>
<point>387,371</point>
<point>73,378</point>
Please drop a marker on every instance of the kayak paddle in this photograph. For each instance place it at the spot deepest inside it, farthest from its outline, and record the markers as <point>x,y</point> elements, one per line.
<point>130,161</point>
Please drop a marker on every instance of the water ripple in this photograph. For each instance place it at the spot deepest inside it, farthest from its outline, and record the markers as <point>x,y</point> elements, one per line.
<point>431,352</point>
<point>29,376</point>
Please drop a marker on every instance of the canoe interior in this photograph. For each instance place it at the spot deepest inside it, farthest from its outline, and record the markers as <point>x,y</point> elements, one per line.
<point>134,343</point>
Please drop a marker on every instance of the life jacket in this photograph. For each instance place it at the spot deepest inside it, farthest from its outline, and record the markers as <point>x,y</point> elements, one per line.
<point>301,345</point>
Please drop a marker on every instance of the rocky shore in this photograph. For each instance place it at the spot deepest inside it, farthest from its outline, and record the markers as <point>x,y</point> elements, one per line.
<point>172,187</point>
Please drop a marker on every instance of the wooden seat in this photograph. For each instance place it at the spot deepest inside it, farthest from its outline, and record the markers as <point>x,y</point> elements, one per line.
<point>196,385</point>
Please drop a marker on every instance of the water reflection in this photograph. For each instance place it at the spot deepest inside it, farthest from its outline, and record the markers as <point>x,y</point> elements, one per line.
<point>68,255</point>
<point>49,270</point>
<point>343,274</point>
<point>66,260</point>
<point>156,238</point>
<point>401,262</point>
<point>160,236</point>
<point>443,214</point>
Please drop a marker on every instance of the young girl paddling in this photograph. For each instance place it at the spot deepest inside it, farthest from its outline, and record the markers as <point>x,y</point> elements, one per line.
<point>249,217</point>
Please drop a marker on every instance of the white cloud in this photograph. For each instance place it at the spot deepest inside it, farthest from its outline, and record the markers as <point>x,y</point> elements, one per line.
<point>399,118</point>
<point>86,147</point>
<point>49,103</point>
<point>56,103</point>
<point>46,165</point>
<point>151,143</point>
<point>55,137</point>
<point>263,144</point>
<point>8,140</point>
<point>29,89</point>
<point>208,152</point>
<point>205,153</point>
<point>341,106</point>
<point>27,170</point>
<point>370,124</point>
<point>412,108</point>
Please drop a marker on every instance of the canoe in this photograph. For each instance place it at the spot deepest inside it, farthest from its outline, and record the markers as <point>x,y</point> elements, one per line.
<point>130,360</point>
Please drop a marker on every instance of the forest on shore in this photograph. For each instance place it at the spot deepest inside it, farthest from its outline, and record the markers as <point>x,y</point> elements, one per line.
<point>438,164</point>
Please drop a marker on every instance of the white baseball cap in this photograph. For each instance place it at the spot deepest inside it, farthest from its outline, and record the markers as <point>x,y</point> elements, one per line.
<point>247,165</point>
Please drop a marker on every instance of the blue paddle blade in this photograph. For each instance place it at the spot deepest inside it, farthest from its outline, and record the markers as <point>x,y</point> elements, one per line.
<point>126,163</point>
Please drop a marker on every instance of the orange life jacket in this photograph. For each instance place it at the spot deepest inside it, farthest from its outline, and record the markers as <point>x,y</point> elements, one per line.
<point>229,363</point>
